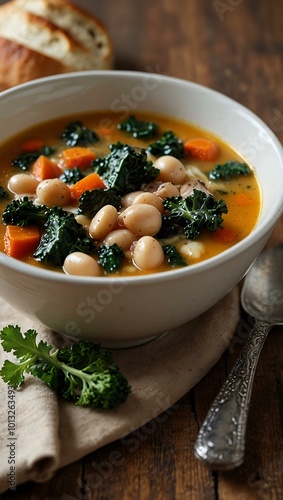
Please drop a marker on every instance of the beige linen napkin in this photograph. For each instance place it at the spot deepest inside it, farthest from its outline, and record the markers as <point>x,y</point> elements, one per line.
<point>40,434</point>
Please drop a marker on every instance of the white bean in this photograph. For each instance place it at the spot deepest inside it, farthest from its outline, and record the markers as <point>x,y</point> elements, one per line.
<point>122,237</point>
<point>53,192</point>
<point>81,264</point>
<point>147,253</point>
<point>103,222</point>
<point>167,190</point>
<point>171,169</point>
<point>141,219</point>
<point>192,249</point>
<point>128,198</point>
<point>23,184</point>
<point>149,199</point>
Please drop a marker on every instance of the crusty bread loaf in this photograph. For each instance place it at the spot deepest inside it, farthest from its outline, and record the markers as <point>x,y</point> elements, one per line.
<point>44,37</point>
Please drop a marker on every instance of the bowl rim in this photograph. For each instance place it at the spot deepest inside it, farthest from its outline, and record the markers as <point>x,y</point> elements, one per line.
<point>240,247</point>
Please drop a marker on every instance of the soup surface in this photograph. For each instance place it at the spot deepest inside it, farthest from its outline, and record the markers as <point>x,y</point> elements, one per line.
<point>96,195</point>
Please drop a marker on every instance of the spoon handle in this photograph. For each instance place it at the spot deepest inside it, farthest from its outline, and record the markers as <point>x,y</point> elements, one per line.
<point>221,439</point>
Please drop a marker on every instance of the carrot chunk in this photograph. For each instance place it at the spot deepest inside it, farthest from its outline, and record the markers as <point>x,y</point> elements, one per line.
<point>20,242</point>
<point>32,145</point>
<point>43,169</point>
<point>78,157</point>
<point>89,182</point>
<point>105,131</point>
<point>201,148</point>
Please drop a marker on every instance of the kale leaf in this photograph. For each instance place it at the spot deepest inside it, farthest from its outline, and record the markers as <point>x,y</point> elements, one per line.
<point>24,160</point>
<point>195,212</point>
<point>90,202</point>
<point>173,257</point>
<point>24,212</point>
<point>168,144</point>
<point>76,134</point>
<point>125,169</point>
<point>3,193</point>
<point>228,170</point>
<point>110,257</point>
<point>83,373</point>
<point>168,228</point>
<point>62,236</point>
<point>71,175</point>
<point>138,128</point>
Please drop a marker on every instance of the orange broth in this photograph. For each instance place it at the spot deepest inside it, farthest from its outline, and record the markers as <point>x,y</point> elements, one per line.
<point>242,194</point>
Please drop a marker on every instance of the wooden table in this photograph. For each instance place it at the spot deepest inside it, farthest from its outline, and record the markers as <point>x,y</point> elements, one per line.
<point>234,46</point>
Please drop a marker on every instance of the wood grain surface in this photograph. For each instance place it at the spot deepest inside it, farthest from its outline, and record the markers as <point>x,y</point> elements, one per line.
<point>235,47</point>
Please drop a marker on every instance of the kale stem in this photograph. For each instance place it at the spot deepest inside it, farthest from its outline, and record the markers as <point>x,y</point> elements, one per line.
<point>66,368</point>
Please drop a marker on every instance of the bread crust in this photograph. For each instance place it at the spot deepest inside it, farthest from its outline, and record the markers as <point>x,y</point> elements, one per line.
<point>18,64</point>
<point>46,37</point>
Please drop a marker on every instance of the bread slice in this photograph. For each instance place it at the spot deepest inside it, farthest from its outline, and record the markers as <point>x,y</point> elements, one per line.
<point>55,29</point>
<point>80,26</point>
<point>18,64</point>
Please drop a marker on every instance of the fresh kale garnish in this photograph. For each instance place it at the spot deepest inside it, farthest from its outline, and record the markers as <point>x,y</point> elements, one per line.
<point>195,212</point>
<point>24,160</point>
<point>3,193</point>
<point>138,128</point>
<point>24,212</point>
<point>62,236</point>
<point>76,134</point>
<point>174,258</point>
<point>168,144</point>
<point>71,175</point>
<point>110,257</point>
<point>228,170</point>
<point>125,169</point>
<point>83,373</point>
<point>90,202</point>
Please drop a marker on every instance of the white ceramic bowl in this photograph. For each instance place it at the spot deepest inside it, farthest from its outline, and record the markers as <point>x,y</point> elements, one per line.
<point>126,311</point>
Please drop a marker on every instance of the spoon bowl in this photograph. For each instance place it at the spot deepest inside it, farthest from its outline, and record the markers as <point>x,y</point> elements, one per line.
<point>221,439</point>
<point>262,293</point>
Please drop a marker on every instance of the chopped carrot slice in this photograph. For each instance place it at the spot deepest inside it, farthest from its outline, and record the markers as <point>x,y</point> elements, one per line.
<point>89,182</point>
<point>225,235</point>
<point>20,242</point>
<point>32,145</point>
<point>242,199</point>
<point>78,157</point>
<point>43,168</point>
<point>201,148</point>
<point>105,131</point>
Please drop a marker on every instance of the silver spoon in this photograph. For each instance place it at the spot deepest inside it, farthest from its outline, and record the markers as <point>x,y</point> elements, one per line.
<point>221,439</point>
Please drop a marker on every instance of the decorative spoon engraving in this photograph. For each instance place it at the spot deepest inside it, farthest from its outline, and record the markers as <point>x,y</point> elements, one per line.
<point>221,439</point>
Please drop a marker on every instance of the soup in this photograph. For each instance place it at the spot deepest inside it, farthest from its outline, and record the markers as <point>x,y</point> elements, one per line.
<point>93,195</point>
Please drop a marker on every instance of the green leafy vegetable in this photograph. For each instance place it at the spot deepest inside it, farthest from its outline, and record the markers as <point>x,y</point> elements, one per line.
<point>168,144</point>
<point>24,212</point>
<point>125,169</point>
<point>174,258</point>
<point>84,373</point>
<point>71,175</point>
<point>195,212</point>
<point>76,134</point>
<point>24,160</point>
<point>110,257</point>
<point>228,170</point>
<point>62,236</point>
<point>3,193</point>
<point>138,128</point>
<point>168,228</point>
<point>90,202</point>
